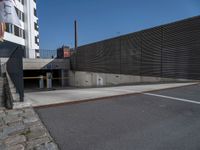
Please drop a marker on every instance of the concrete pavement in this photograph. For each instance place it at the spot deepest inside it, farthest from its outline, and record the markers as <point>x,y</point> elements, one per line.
<point>160,120</point>
<point>74,95</point>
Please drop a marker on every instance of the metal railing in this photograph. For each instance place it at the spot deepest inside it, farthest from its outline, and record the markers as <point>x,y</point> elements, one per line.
<point>48,54</point>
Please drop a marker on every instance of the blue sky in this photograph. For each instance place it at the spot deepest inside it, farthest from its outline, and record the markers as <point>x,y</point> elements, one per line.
<point>102,19</point>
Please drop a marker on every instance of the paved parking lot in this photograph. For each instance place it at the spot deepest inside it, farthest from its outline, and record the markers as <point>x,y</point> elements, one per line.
<point>162,120</point>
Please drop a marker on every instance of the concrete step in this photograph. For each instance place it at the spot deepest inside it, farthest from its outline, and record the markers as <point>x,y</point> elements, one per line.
<point>13,90</point>
<point>16,97</point>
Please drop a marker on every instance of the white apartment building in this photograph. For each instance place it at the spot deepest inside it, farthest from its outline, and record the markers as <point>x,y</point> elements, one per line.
<point>28,34</point>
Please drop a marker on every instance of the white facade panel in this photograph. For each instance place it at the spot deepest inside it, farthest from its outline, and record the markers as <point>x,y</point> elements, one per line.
<point>19,6</point>
<point>14,39</point>
<point>27,35</point>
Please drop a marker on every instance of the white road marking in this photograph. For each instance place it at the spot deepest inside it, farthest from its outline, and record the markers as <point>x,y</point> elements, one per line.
<point>173,98</point>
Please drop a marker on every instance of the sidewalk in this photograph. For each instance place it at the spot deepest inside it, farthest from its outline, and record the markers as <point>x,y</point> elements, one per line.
<point>22,130</point>
<point>76,95</point>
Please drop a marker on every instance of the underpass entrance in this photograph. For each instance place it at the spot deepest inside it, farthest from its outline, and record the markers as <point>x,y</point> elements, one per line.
<point>45,79</point>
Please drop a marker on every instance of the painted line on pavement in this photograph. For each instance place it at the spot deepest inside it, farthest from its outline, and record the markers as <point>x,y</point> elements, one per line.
<point>69,102</point>
<point>173,98</point>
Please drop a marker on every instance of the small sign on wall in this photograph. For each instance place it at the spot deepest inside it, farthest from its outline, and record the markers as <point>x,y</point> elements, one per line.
<point>99,81</point>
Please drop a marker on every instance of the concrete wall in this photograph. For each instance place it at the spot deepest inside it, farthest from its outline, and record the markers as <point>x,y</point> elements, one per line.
<point>91,79</point>
<point>38,64</point>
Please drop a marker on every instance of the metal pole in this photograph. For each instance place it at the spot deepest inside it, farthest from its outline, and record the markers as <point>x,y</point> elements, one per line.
<point>75,42</point>
<point>76,35</point>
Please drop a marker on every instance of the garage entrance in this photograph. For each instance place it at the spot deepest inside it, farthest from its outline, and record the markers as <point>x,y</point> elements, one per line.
<point>45,79</point>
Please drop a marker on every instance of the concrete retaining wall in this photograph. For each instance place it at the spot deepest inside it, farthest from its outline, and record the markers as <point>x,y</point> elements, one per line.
<point>92,79</point>
<point>38,64</point>
<point>42,64</point>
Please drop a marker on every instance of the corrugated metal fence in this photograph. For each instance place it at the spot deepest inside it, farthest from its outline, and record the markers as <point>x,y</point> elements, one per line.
<point>168,51</point>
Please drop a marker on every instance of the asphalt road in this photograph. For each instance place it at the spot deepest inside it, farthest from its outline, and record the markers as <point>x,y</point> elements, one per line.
<point>137,122</point>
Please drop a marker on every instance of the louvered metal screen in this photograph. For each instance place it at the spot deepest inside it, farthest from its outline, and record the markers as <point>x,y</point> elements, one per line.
<point>168,51</point>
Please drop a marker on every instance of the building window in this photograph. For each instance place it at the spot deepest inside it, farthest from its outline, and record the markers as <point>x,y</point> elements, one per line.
<point>16,29</point>
<point>24,35</point>
<point>19,32</point>
<point>35,12</point>
<point>23,18</point>
<point>37,40</point>
<point>9,28</point>
<point>21,1</point>
<point>36,26</point>
<point>20,14</point>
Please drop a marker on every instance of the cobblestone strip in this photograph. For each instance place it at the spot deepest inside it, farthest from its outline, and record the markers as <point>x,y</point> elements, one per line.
<point>22,130</point>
